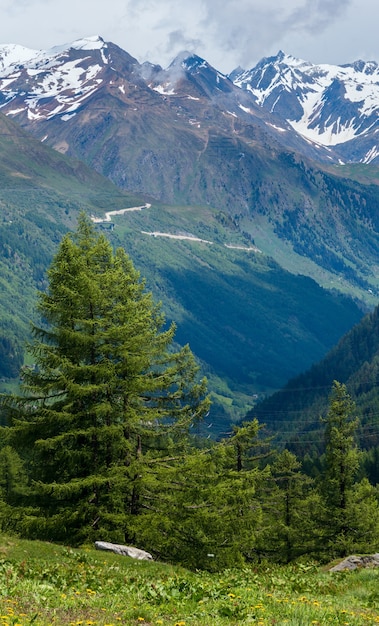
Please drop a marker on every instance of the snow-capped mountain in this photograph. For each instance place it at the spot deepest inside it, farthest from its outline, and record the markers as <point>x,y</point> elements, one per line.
<point>37,86</point>
<point>335,106</point>
<point>46,90</point>
<point>40,85</point>
<point>91,90</point>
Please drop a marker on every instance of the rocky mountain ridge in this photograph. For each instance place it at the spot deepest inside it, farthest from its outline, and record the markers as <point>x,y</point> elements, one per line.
<point>326,112</point>
<point>334,106</point>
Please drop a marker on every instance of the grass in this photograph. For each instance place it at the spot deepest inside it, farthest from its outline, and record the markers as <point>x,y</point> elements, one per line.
<point>42,583</point>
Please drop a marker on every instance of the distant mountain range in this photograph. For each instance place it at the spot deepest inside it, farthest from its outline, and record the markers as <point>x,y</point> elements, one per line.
<point>333,108</point>
<point>190,135</point>
<point>263,186</point>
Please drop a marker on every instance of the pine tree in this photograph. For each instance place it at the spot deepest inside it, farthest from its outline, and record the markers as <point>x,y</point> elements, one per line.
<point>240,482</point>
<point>12,475</point>
<point>290,508</point>
<point>107,393</point>
<point>204,508</point>
<point>351,507</point>
<point>341,466</point>
<point>341,451</point>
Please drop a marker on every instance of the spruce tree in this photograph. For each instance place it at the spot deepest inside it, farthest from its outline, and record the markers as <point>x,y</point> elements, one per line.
<point>341,451</point>
<point>351,507</point>
<point>291,506</point>
<point>205,511</point>
<point>107,394</point>
<point>341,466</point>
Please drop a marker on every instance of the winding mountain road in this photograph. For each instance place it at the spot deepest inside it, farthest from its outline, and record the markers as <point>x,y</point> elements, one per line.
<point>109,214</point>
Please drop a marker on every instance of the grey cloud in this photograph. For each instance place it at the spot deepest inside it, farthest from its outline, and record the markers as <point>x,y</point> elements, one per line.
<point>316,15</point>
<point>249,28</point>
<point>226,34</point>
<point>178,40</point>
<point>15,6</point>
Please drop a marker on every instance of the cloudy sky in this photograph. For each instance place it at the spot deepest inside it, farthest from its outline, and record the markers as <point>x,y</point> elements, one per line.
<point>227,33</point>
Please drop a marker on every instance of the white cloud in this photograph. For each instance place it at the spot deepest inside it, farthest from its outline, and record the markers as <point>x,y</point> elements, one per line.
<point>226,34</point>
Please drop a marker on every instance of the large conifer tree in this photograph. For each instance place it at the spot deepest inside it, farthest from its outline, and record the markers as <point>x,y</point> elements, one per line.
<point>351,508</point>
<point>106,396</point>
<point>341,451</point>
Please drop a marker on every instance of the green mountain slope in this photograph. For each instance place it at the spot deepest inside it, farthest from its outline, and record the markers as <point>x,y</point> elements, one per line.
<point>189,136</point>
<point>41,193</point>
<point>252,324</point>
<point>293,413</point>
<point>307,218</point>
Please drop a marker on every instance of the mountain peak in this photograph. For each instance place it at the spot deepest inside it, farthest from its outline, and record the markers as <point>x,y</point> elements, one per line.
<point>289,59</point>
<point>13,54</point>
<point>329,105</point>
<point>95,42</point>
<point>363,67</point>
<point>188,61</point>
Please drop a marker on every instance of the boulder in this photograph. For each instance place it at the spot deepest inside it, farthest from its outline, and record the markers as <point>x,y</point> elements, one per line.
<point>354,561</point>
<point>134,553</point>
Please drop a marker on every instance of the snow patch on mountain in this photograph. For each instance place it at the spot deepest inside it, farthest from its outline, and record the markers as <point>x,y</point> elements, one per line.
<point>245,109</point>
<point>327,104</point>
<point>51,75</point>
<point>165,90</point>
<point>13,55</point>
<point>330,135</point>
<point>371,155</point>
<point>279,128</point>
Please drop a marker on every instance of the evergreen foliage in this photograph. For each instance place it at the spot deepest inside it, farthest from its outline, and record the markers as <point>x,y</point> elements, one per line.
<point>291,507</point>
<point>106,396</point>
<point>98,443</point>
<point>354,361</point>
<point>351,508</point>
<point>341,452</point>
<point>204,509</point>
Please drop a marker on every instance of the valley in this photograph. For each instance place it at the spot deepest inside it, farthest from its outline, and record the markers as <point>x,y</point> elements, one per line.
<point>189,335</point>
<point>261,246</point>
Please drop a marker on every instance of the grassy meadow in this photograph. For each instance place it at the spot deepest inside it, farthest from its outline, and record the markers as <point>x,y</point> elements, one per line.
<point>42,584</point>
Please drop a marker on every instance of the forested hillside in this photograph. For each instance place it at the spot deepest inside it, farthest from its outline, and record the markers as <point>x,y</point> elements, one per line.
<point>251,324</point>
<point>293,413</point>
<point>102,441</point>
<point>40,197</point>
